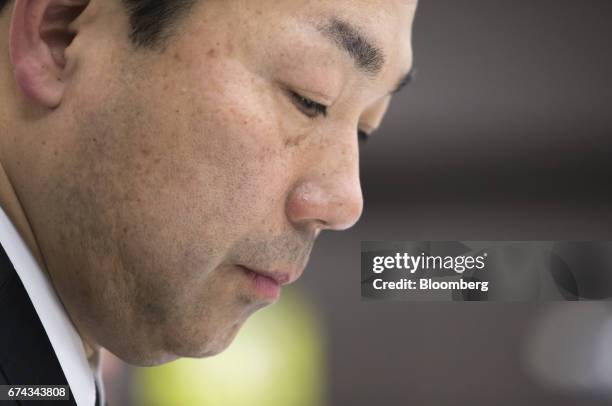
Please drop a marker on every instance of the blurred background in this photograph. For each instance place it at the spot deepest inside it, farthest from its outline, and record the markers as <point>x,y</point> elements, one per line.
<point>504,134</point>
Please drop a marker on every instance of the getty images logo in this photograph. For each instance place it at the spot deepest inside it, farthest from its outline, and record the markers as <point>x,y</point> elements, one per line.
<point>413,263</point>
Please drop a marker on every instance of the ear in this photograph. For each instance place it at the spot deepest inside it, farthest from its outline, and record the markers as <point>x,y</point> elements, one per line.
<point>39,35</point>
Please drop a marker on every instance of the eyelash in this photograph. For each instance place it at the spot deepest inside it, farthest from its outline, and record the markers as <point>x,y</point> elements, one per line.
<point>312,110</point>
<point>309,108</point>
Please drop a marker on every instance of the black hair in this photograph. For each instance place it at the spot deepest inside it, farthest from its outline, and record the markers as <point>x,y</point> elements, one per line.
<point>152,21</point>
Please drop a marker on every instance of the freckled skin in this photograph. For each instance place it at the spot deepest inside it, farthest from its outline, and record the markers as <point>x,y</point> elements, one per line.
<point>162,171</point>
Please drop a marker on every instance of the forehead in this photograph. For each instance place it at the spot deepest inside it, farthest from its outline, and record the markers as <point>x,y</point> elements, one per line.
<point>386,24</point>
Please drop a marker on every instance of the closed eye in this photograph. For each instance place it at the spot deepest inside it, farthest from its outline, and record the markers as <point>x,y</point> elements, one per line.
<point>309,108</point>
<point>312,109</point>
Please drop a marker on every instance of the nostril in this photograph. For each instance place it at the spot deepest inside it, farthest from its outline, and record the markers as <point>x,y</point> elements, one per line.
<point>306,204</point>
<point>334,204</point>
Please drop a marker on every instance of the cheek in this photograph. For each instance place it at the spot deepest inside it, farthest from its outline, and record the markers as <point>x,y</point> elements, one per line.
<point>193,168</point>
<point>186,162</point>
<point>234,141</point>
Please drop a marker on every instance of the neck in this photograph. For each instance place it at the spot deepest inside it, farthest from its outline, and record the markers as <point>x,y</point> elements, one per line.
<point>9,202</point>
<point>12,207</point>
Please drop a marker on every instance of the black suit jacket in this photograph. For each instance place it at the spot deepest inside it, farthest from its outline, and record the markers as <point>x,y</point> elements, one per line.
<point>26,355</point>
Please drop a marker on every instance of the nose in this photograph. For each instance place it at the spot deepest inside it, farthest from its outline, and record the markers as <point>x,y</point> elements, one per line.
<point>329,196</point>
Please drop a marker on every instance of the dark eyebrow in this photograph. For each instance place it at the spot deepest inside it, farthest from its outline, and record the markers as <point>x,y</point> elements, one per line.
<point>405,81</point>
<point>368,58</point>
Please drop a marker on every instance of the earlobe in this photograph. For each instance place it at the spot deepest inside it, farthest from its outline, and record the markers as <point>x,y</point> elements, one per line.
<point>39,35</point>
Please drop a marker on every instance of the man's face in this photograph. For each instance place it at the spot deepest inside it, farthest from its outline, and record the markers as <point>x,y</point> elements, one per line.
<point>166,175</point>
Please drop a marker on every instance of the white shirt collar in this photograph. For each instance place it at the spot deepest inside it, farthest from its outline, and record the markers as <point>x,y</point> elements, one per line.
<point>63,336</point>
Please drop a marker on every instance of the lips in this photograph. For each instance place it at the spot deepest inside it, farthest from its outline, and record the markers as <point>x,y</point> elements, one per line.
<point>267,284</point>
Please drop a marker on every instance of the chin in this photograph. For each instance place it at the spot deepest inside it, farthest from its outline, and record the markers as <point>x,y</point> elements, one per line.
<point>157,358</point>
<point>203,346</point>
<point>189,348</point>
<point>145,359</point>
